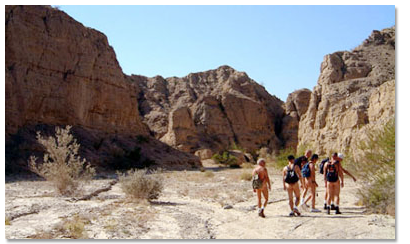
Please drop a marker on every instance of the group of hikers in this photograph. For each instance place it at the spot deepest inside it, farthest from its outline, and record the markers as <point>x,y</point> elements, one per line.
<point>303,169</point>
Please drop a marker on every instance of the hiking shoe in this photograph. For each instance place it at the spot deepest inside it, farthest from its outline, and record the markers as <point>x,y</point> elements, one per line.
<point>262,214</point>
<point>325,207</point>
<point>337,210</point>
<point>315,210</point>
<point>296,211</point>
<point>291,214</point>
<point>332,207</point>
<point>328,210</point>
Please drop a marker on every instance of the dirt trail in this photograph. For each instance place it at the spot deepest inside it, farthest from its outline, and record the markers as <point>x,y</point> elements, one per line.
<point>192,206</point>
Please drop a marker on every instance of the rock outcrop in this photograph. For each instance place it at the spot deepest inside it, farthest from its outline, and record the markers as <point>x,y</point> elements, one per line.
<point>213,110</point>
<point>59,73</point>
<point>349,94</point>
<point>296,105</point>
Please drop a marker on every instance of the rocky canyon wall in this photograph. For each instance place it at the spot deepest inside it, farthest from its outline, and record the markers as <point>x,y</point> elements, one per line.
<point>355,90</point>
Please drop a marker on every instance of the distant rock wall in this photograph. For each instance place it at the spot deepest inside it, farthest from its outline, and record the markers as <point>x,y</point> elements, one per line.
<point>214,110</point>
<point>350,95</point>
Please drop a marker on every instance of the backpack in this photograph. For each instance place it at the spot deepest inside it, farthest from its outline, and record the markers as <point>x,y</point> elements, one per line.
<point>291,176</point>
<point>331,174</point>
<point>256,182</point>
<point>306,170</point>
<point>322,165</point>
<point>299,161</point>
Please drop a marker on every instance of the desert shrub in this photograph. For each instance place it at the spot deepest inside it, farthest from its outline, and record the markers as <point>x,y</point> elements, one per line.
<point>235,146</point>
<point>375,166</point>
<point>246,176</point>
<point>226,158</point>
<point>61,163</point>
<point>141,184</point>
<point>209,174</point>
<point>74,227</point>
<point>281,158</point>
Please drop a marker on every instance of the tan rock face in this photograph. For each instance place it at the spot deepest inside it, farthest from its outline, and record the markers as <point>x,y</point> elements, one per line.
<point>59,72</point>
<point>296,105</point>
<point>350,94</point>
<point>210,110</point>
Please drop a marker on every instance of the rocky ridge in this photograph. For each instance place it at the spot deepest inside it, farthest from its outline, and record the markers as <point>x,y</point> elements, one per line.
<point>351,94</point>
<point>214,110</point>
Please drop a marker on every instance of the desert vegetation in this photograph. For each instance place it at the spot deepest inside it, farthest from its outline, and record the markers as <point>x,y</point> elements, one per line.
<point>141,184</point>
<point>225,158</point>
<point>375,165</point>
<point>61,163</point>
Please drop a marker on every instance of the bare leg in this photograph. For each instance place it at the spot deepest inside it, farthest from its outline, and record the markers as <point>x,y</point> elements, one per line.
<point>266,196</point>
<point>290,194</point>
<point>328,193</point>
<point>337,193</point>
<point>258,193</point>
<point>297,194</point>
<point>313,195</point>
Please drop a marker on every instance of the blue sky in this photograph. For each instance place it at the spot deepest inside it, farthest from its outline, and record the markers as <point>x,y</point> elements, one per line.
<point>280,47</point>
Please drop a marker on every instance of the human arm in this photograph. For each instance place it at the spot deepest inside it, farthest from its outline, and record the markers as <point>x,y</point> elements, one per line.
<point>341,176</point>
<point>283,178</point>
<point>297,170</point>
<point>268,179</point>
<point>348,173</point>
<point>324,173</point>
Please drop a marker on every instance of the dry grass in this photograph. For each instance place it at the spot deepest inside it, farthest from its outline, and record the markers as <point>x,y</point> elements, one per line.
<point>8,221</point>
<point>141,185</point>
<point>247,176</point>
<point>209,174</point>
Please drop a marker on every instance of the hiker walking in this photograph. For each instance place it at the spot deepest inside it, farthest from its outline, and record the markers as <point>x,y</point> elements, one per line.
<point>302,160</point>
<point>261,184</point>
<point>309,176</point>
<point>340,157</point>
<point>291,176</point>
<point>332,172</point>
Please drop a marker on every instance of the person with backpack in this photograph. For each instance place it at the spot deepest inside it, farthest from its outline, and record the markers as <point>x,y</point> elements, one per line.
<point>321,167</point>
<point>309,176</point>
<point>260,184</point>
<point>291,176</point>
<point>302,160</point>
<point>332,172</point>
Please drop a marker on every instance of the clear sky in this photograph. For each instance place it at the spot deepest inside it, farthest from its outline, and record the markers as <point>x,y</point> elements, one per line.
<point>280,47</point>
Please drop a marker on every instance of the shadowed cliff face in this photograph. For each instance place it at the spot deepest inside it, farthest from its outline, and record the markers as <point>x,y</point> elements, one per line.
<point>214,109</point>
<point>59,73</point>
<point>341,104</point>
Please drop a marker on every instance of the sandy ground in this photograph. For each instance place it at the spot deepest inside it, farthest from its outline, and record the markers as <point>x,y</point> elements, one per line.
<point>193,205</point>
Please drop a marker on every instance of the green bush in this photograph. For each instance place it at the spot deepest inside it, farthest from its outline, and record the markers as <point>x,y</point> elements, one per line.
<point>281,158</point>
<point>375,165</point>
<point>226,158</point>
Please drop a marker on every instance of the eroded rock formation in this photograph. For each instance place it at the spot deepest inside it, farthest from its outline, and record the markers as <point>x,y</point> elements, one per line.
<point>349,93</point>
<point>214,110</point>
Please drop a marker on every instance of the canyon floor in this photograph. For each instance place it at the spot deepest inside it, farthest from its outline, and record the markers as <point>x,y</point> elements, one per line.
<point>216,203</point>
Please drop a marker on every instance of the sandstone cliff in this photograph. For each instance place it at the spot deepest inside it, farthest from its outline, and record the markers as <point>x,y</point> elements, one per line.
<point>215,110</point>
<point>59,72</point>
<point>350,94</point>
<point>295,107</point>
